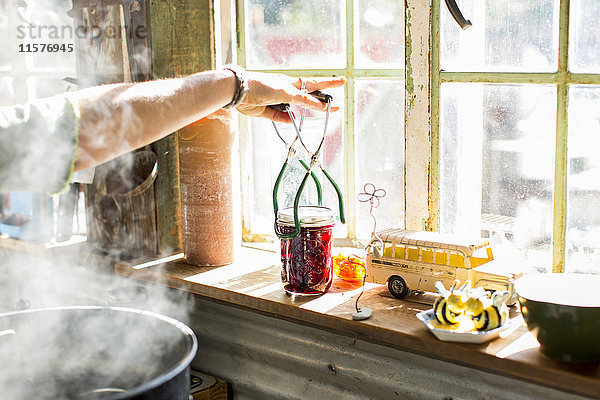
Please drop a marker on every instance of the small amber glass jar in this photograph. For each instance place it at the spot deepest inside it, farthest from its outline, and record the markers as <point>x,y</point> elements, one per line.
<point>306,259</point>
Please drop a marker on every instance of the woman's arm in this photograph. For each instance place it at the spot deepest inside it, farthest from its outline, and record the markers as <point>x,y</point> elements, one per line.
<point>118,118</point>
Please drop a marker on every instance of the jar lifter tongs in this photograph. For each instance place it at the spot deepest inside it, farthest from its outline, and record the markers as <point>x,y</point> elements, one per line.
<point>314,163</point>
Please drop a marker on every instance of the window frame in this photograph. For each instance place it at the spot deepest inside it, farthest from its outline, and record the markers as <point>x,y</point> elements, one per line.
<point>562,79</point>
<point>423,79</point>
<point>352,74</point>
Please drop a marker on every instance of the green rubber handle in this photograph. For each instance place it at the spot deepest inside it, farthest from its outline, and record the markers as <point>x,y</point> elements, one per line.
<point>278,183</point>
<point>296,232</point>
<point>276,189</point>
<point>339,195</point>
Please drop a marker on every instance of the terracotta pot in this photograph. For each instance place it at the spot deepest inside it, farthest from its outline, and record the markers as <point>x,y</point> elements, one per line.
<point>205,153</point>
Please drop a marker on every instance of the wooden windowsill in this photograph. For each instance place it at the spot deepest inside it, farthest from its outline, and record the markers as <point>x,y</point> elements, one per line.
<point>76,243</point>
<point>253,283</point>
<point>75,248</point>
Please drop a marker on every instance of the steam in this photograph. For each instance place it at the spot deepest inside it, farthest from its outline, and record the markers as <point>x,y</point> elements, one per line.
<point>80,353</point>
<point>56,356</point>
<point>39,357</point>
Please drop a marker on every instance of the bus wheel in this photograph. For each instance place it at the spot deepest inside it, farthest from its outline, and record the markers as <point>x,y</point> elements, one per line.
<point>397,286</point>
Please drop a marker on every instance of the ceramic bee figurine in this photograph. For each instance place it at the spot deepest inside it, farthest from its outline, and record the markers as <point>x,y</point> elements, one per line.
<point>451,305</point>
<point>474,305</point>
<point>487,313</point>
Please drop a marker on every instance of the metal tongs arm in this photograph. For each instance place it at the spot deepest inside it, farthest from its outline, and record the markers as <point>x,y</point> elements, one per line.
<point>292,152</point>
<point>314,157</point>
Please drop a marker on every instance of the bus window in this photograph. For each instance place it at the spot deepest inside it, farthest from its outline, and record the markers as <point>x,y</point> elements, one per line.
<point>413,253</point>
<point>387,250</point>
<point>440,257</point>
<point>457,260</point>
<point>400,252</point>
<point>481,256</point>
<point>427,255</point>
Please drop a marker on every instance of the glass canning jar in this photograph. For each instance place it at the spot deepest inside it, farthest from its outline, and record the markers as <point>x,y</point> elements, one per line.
<point>306,259</point>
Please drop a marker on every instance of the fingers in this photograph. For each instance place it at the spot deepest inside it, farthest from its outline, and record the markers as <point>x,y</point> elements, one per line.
<point>313,84</point>
<point>307,101</point>
<point>272,114</point>
<point>303,99</point>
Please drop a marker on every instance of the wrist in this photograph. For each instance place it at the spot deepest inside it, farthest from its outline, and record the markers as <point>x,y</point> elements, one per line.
<point>241,85</point>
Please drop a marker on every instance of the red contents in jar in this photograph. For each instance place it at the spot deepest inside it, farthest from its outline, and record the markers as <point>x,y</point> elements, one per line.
<point>306,260</point>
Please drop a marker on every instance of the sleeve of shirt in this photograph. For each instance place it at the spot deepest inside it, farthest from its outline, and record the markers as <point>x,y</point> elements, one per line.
<point>38,145</point>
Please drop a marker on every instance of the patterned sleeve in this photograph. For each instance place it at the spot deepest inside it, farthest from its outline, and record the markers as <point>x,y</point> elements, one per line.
<point>38,145</point>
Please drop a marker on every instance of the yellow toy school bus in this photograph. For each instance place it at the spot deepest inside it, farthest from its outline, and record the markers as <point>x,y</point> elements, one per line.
<point>416,260</point>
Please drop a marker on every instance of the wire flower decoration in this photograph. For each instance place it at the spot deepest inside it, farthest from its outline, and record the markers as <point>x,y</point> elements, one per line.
<point>371,195</point>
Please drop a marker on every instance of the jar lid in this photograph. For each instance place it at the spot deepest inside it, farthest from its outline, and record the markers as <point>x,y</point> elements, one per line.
<point>310,216</point>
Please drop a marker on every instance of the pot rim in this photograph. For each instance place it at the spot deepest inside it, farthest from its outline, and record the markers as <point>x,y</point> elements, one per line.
<point>568,300</point>
<point>190,338</point>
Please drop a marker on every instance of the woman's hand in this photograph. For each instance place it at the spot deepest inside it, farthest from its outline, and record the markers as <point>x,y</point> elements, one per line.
<point>266,89</point>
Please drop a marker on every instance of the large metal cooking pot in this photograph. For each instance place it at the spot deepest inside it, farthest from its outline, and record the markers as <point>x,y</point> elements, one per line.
<point>94,353</point>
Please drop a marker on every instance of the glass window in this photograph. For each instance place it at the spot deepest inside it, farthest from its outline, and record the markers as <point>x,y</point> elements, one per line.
<point>511,122</point>
<point>7,91</point>
<point>380,34</point>
<point>365,140</point>
<point>509,35</point>
<point>585,36</point>
<point>583,213</point>
<point>497,146</point>
<point>293,34</point>
<point>35,72</point>
<point>512,132</point>
<point>28,73</point>
<point>380,148</point>
<point>5,37</point>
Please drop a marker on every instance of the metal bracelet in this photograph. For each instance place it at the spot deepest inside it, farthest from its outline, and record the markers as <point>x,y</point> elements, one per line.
<point>241,87</point>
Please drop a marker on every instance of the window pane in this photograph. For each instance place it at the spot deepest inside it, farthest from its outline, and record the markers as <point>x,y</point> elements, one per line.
<point>583,213</point>
<point>497,156</point>
<point>267,156</point>
<point>507,35</point>
<point>7,91</point>
<point>585,36</point>
<point>380,34</point>
<point>5,39</point>
<point>269,153</point>
<point>380,151</point>
<point>294,34</point>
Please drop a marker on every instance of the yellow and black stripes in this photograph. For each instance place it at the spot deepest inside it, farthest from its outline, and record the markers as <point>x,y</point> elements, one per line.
<point>447,313</point>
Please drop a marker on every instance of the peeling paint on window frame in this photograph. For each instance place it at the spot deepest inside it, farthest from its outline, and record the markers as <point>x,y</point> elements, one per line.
<point>562,78</point>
